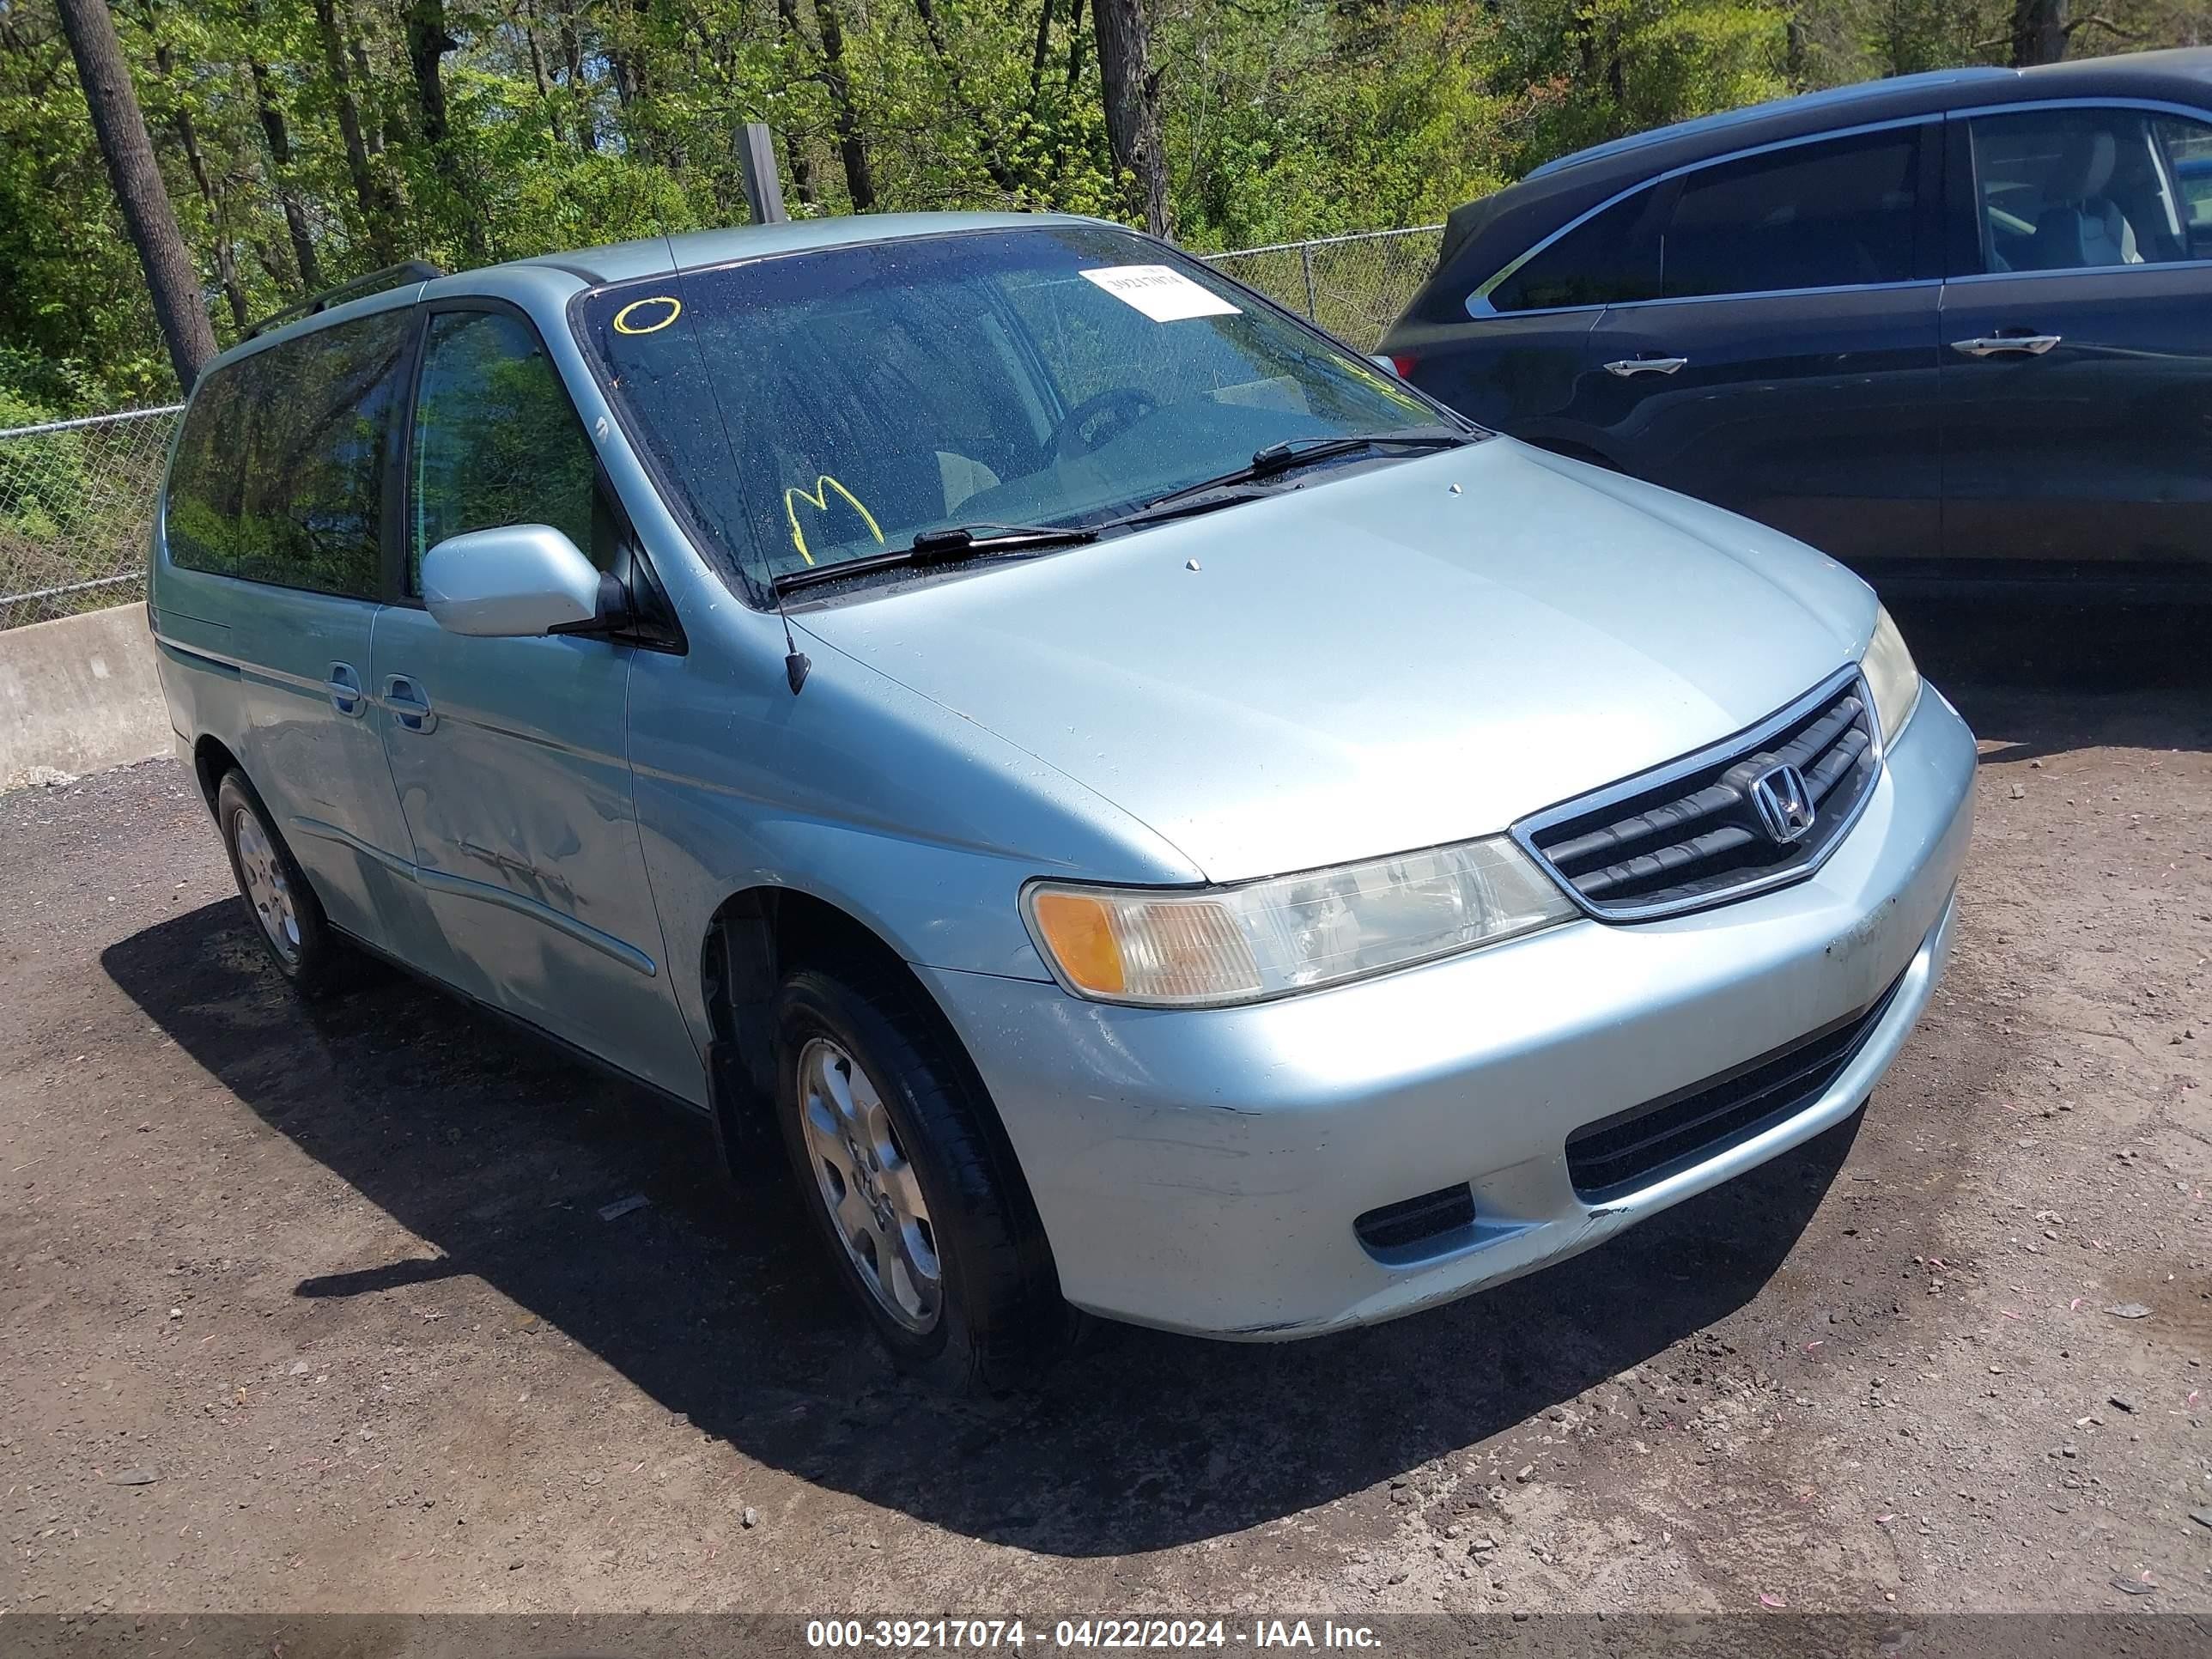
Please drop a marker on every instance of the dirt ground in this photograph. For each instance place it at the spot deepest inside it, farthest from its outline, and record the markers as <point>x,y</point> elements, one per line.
<point>309,1310</point>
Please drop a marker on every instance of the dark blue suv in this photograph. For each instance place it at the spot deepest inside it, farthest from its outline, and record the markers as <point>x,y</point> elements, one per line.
<point>1954,328</point>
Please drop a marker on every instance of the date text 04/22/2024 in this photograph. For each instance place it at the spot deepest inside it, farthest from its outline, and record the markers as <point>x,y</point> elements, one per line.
<point>1087,1633</point>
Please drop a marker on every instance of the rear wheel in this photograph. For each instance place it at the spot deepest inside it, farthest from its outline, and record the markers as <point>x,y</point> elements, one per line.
<point>910,1183</point>
<point>288,918</point>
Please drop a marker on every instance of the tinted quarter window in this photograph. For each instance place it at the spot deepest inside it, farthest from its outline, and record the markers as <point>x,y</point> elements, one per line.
<point>200,512</point>
<point>2087,189</point>
<point>497,441</point>
<point>316,417</point>
<point>1835,214</point>
<point>1610,258</point>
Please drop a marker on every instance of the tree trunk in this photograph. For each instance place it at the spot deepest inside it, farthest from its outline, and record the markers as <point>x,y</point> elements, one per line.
<point>572,56</point>
<point>128,153</point>
<point>859,183</point>
<point>794,149</point>
<point>389,130</point>
<point>2039,31</point>
<point>538,77</point>
<point>188,140</point>
<point>279,141</point>
<point>1038,53</point>
<point>376,206</point>
<point>428,43</point>
<point>1131,86</point>
<point>991,149</point>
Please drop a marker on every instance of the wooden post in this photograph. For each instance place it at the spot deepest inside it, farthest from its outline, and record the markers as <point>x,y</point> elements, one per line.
<point>763,187</point>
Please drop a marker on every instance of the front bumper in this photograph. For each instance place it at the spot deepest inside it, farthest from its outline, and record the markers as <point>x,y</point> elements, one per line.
<point>1201,1170</point>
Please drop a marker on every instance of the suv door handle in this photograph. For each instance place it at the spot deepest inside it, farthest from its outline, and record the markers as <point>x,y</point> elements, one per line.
<point>1991,345</point>
<point>1627,366</point>
<point>407,704</point>
<point>344,688</point>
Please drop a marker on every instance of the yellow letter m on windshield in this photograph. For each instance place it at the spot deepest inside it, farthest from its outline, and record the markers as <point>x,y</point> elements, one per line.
<point>819,498</point>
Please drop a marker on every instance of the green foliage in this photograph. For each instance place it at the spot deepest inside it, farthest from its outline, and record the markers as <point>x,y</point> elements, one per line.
<point>567,122</point>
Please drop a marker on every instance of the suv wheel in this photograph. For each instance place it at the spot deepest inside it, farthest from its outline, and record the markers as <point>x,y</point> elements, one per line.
<point>909,1181</point>
<point>288,918</point>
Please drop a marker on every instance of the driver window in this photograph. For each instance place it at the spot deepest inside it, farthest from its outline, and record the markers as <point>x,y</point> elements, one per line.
<point>496,441</point>
<point>2079,190</point>
<point>1096,350</point>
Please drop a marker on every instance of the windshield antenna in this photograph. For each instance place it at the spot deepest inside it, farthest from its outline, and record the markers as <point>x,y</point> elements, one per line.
<point>796,663</point>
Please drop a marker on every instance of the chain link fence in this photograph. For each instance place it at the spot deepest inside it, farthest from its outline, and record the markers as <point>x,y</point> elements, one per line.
<point>1352,286</point>
<point>76,503</point>
<point>76,497</point>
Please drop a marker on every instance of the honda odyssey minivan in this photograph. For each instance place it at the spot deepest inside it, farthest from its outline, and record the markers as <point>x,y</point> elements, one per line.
<point>1140,810</point>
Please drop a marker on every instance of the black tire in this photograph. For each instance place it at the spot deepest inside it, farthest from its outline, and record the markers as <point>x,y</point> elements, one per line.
<point>1000,1322</point>
<point>295,933</point>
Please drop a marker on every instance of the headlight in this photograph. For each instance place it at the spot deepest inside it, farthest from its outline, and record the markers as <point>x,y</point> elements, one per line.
<point>1891,676</point>
<point>1190,947</point>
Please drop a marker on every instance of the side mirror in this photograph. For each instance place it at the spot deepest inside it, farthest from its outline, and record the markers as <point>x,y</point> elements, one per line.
<point>1382,361</point>
<point>517,582</point>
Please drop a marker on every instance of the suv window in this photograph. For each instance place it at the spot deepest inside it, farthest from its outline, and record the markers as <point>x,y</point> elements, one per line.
<point>2083,189</point>
<point>200,511</point>
<point>279,471</point>
<point>497,441</point>
<point>1836,214</point>
<point>316,415</point>
<point>1610,258</point>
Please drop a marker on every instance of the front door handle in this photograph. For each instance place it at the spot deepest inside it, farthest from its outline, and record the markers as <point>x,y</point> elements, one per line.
<point>1627,366</point>
<point>1991,345</point>
<point>343,686</point>
<point>409,706</point>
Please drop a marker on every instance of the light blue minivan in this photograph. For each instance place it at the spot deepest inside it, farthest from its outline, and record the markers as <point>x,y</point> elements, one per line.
<point>1140,810</point>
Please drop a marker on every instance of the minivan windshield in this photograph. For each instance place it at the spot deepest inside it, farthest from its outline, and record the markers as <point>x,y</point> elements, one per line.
<point>820,407</point>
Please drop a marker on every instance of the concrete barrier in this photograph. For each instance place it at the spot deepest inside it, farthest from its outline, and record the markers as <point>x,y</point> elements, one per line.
<point>79,695</point>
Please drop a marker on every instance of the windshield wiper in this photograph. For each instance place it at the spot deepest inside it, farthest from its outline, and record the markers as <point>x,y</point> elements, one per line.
<point>951,543</point>
<point>947,545</point>
<point>1293,452</point>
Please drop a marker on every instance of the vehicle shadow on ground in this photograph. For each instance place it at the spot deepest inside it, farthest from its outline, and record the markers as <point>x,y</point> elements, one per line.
<point>716,1304</point>
<point>2039,678</point>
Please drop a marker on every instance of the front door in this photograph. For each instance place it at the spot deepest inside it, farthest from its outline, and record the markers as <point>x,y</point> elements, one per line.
<point>510,754</point>
<point>1788,368</point>
<point>2077,367</point>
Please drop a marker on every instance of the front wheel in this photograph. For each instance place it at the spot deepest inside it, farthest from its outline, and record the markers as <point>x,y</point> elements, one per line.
<point>909,1181</point>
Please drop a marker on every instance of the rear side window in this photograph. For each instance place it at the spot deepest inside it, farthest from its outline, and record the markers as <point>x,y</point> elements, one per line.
<point>1837,214</point>
<point>497,441</point>
<point>1610,258</point>
<point>316,418</point>
<point>200,512</point>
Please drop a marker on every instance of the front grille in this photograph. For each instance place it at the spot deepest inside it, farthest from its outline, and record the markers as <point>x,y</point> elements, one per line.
<point>1692,833</point>
<point>1632,1149</point>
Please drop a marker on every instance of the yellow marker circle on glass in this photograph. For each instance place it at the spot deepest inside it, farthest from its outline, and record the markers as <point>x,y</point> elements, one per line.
<point>623,326</point>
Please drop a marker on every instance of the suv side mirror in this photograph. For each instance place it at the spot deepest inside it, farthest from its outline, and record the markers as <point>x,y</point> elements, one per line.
<point>516,582</point>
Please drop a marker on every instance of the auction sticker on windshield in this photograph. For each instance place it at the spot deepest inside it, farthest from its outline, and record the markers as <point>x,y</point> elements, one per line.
<point>1162,293</point>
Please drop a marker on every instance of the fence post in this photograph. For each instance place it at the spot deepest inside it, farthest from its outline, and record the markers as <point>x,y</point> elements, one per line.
<point>1313,304</point>
<point>763,185</point>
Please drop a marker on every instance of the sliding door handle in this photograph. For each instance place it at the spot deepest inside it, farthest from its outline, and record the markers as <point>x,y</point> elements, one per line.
<point>1626,366</point>
<point>1994,346</point>
<point>343,689</point>
<point>407,704</point>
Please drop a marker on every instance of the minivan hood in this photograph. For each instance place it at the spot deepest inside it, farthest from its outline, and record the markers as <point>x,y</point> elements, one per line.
<point>1376,661</point>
